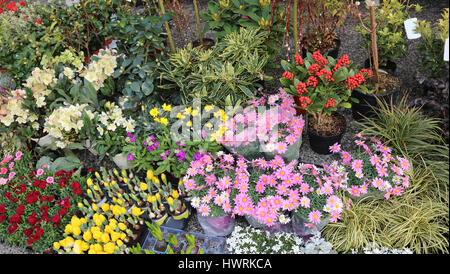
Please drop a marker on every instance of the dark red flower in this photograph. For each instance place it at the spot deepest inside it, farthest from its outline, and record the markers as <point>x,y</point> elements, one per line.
<point>2,218</point>
<point>62,212</point>
<point>2,208</point>
<point>28,232</point>
<point>12,228</point>
<point>38,21</point>
<point>22,3</point>
<point>56,218</point>
<point>14,219</point>
<point>42,185</point>
<point>32,220</point>
<point>20,209</point>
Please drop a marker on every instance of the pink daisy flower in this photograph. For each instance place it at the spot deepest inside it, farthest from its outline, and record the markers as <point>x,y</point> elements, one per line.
<point>327,189</point>
<point>357,165</point>
<point>405,183</point>
<point>224,183</point>
<point>281,189</point>
<point>375,160</point>
<point>189,184</point>
<point>305,202</point>
<point>354,190</point>
<point>335,216</point>
<point>204,210</point>
<point>260,188</point>
<point>210,179</point>
<point>272,181</point>
<point>397,191</point>
<point>346,157</point>
<point>276,202</point>
<point>335,148</point>
<point>378,183</point>
<point>382,171</point>
<point>314,216</point>
<point>226,207</point>
<point>363,189</point>
<point>397,170</point>
<point>304,188</point>
<point>281,147</point>
<point>290,139</point>
<point>404,164</point>
<point>297,178</point>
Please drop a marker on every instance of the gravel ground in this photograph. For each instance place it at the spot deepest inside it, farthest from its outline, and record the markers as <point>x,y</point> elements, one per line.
<point>351,41</point>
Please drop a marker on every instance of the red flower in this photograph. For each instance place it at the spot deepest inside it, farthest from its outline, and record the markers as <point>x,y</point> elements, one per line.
<point>28,232</point>
<point>62,212</point>
<point>32,197</point>
<point>56,219</point>
<point>2,218</point>
<point>304,101</point>
<point>42,185</point>
<point>11,6</point>
<point>318,57</point>
<point>32,220</point>
<point>2,208</point>
<point>14,219</point>
<point>12,228</point>
<point>38,21</point>
<point>22,3</point>
<point>20,209</point>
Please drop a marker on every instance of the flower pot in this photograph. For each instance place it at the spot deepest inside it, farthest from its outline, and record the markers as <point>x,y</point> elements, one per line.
<point>195,250</point>
<point>321,143</point>
<point>292,152</point>
<point>157,221</point>
<point>299,227</point>
<point>216,226</point>
<point>121,160</point>
<point>369,101</point>
<point>390,66</point>
<point>179,221</point>
<point>207,43</point>
<point>160,247</point>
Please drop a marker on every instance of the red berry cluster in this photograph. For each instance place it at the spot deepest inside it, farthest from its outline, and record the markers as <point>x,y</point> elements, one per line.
<point>312,81</point>
<point>298,60</point>
<point>304,101</point>
<point>343,61</point>
<point>330,103</point>
<point>301,88</point>
<point>355,81</point>
<point>318,57</point>
<point>288,75</point>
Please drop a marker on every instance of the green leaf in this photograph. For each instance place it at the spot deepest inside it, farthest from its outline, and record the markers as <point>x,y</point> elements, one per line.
<point>65,163</point>
<point>136,86</point>
<point>345,105</point>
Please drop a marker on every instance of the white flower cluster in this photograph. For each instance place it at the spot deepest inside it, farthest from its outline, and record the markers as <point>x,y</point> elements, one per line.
<point>113,118</point>
<point>374,248</point>
<point>99,70</point>
<point>65,122</point>
<point>250,240</point>
<point>39,82</point>
<point>11,110</point>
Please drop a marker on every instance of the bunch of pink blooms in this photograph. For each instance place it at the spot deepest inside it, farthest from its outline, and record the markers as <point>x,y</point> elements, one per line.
<point>371,169</point>
<point>213,182</point>
<point>269,120</point>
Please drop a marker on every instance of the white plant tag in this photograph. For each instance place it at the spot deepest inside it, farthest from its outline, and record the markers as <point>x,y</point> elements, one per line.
<point>375,3</point>
<point>410,27</point>
<point>446,50</point>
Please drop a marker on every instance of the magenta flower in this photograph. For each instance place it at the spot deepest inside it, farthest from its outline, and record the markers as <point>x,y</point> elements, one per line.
<point>130,157</point>
<point>375,160</point>
<point>357,165</point>
<point>39,172</point>
<point>50,180</point>
<point>281,147</point>
<point>382,171</point>
<point>354,190</point>
<point>260,188</point>
<point>404,164</point>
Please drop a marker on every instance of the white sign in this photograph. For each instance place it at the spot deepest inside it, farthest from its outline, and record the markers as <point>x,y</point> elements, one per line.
<point>410,27</point>
<point>446,50</point>
<point>375,3</point>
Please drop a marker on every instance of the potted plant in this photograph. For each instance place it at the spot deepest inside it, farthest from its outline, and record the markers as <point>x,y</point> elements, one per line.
<point>270,195</point>
<point>433,70</point>
<point>372,171</point>
<point>387,21</point>
<point>178,209</point>
<point>211,183</point>
<point>191,247</point>
<point>318,205</point>
<point>156,212</point>
<point>323,85</point>
<point>267,127</point>
<point>322,20</point>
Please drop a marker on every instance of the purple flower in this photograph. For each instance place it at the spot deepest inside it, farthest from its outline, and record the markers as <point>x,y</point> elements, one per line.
<point>150,148</point>
<point>130,157</point>
<point>132,140</point>
<point>167,153</point>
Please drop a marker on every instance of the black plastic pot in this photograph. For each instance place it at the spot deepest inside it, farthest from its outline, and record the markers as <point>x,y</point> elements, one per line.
<point>390,67</point>
<point>321,144</point>
<point>178,223</point>
<point>333,52</point>
<point>369,101</point>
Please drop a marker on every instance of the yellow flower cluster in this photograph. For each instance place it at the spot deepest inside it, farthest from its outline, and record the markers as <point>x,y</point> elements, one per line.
<point>65,122</point>
<point>98,71</point>
<point>154,112</point>
<point>99,233</point>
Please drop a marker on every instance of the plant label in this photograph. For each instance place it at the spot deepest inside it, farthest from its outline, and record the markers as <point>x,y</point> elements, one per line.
<point>446,50</point>
<point>410,27</point>
<point>375,3</point>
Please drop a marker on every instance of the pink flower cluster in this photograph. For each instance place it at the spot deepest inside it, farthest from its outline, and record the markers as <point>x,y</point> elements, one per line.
<point>261,189</point>
<point>7,166</point>
<point>269,120</point>
<point>373,168</point>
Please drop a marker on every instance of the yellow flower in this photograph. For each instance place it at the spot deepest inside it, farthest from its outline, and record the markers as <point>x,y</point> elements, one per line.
<point>94,207</point>
<point>136,211</point>
<point>98,248</point>
<point>150,174</point>
<point>170,200</point>
<point>122,226</point>
<point>195,112</point>
<point>151,199</point>
<point>180,116</point>
<point>84,246</point>
<point>68,229</point>
<point>188,110</point>
<point>166,107</point>
<point>156,119</point>
<point>143,186</point>
<point>105,207</point>
<point>87,236</point>
<point>109,248</point>
<point>175,194</point>
<point>56,245</point>
<point>163,177</point>
<point>105,238</point>
<point>97,175</point>
<point>76,230</point>
<point>106,184</point>
<point>77,247</point>
<point>164,121</point>
<point>119,243</point>
<point>154,112</point>
<point>89,182</point>
<point>189,123</point>
<point>115,236</point>
<point>157,196</point>
<point>97,235</point>
<point>89,191</point>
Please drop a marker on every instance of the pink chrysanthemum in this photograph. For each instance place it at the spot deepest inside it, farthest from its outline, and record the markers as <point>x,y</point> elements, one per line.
<point>204,210</point>
<point>260,187</point>
<point>354,190</point>
<point>404,164</point>
<point>382,171</point>
<point>304,188</point>
<point>375,160</point>
<point>305,202</point>
<point>357,165</point>
<point>335,148</point>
